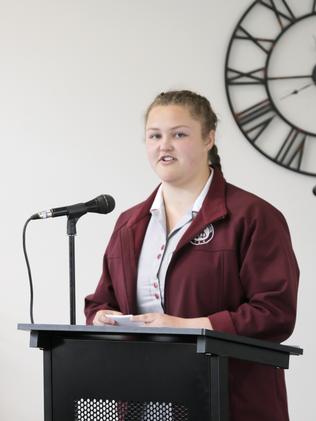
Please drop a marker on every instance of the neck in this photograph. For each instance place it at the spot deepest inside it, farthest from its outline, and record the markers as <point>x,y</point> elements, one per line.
<point>178,199</point>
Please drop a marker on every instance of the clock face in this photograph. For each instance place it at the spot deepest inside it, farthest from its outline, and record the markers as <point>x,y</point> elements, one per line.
<point>270,79</point>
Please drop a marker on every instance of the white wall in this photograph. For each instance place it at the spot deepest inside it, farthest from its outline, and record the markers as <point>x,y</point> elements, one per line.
<point>76,77</point>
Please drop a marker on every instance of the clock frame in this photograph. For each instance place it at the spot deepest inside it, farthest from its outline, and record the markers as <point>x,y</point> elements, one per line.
<point>268,118</point>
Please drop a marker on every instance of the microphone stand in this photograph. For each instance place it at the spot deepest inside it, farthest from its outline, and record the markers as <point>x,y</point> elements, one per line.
<point>101,204</point>
<point>72,232</point>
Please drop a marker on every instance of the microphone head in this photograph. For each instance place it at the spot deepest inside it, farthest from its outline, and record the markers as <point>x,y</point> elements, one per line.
<point>101,204</point>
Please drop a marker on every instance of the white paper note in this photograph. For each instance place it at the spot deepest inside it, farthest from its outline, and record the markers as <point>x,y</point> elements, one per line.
<point>124,320</point>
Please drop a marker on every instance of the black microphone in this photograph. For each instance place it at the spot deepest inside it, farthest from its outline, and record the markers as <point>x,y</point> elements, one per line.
<point>101,204</point>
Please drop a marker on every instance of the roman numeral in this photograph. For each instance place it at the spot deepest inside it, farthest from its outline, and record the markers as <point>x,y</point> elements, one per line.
<point>264,44</point>
<point>291,151</point>
<point>255,119</point>
<point>254,77</point>
<point>283,14</point>
<point>314,7</point>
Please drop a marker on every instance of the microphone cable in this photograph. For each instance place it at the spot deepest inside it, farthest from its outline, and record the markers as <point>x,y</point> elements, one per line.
<point>28,269</point>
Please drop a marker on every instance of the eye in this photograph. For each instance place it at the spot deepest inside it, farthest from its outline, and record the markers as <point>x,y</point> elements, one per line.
<point>179,135</point>
<point>154,136</point>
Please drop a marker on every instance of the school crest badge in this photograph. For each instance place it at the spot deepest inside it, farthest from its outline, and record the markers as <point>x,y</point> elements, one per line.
<point>204,237</point>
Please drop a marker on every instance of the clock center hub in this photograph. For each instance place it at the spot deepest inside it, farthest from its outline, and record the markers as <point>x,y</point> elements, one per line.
<point>314,75</point>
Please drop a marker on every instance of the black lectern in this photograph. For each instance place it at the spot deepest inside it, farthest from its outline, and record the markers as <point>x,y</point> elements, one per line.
<point>138,374</point>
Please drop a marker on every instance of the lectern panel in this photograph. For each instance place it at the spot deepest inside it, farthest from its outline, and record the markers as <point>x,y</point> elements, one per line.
<point>96,380</point>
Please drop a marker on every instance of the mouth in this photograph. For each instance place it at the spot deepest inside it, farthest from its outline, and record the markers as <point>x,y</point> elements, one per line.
<point>166,158</point>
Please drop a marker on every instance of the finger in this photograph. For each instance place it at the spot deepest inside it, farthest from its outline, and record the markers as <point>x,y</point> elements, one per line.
<point>145,318</point>
<point>107,320</point>
<point>101,319</point>
<point>138,318</point>
<point>98,321</point>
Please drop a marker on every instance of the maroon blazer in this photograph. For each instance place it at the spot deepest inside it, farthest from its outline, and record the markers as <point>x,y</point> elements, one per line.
<point>234,264</point>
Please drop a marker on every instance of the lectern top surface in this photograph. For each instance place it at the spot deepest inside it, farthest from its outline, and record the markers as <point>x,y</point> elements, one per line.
<point>73,329</point>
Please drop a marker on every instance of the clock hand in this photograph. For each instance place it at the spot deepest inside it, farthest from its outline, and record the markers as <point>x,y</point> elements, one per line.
<point>296,91</point>
<point>289,77</point>
<point>312,76</point>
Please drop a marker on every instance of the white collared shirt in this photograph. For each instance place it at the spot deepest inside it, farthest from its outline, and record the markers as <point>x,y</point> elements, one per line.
<point>157,251</point>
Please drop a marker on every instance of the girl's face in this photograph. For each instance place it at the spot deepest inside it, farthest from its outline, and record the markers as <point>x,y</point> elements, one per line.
<point>176,149</point>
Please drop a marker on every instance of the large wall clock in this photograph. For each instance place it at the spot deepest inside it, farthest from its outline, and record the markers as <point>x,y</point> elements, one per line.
<point>270,79</point>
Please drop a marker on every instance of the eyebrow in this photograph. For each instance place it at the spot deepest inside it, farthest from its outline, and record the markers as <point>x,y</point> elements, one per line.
<point>172,128</point>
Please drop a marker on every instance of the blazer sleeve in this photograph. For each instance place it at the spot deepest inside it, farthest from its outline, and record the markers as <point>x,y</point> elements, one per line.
<point>269,277</point>
<point>103,298</point>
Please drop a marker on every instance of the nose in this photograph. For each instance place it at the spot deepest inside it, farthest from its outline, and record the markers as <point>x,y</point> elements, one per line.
<point>166,143</point>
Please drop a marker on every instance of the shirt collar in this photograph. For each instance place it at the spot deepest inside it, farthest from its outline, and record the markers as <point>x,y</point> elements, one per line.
<point>158,206</point>
<point>158,203</point>
<point>200,199</point>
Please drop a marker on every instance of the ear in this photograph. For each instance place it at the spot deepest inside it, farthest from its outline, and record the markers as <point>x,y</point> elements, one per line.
<point>210,140</point>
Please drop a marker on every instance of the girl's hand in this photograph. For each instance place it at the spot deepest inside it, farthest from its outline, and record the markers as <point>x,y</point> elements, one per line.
<point>164,320</point>
<point>100,318</point>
